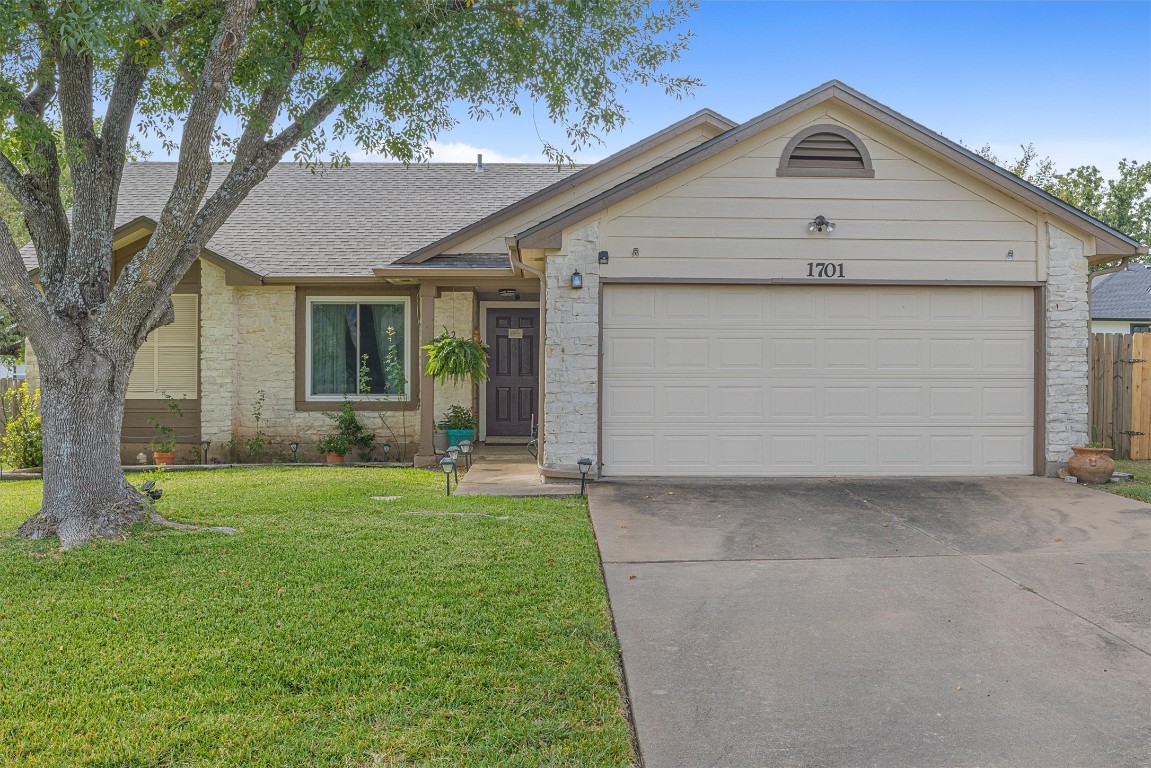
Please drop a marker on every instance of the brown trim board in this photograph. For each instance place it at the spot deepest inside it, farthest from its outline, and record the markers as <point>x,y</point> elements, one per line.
<point>1040,394</point>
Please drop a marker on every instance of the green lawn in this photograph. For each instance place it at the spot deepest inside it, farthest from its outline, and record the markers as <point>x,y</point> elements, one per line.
<point>335,630</point>
<point>1140,487</point>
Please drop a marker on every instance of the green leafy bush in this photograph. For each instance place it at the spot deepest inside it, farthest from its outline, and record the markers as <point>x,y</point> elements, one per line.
<point>459,417</point>
<point>23,437</point>
<point>349,428</point>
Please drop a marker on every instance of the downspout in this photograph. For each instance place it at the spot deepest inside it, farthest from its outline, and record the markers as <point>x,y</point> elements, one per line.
<point>513,246</point>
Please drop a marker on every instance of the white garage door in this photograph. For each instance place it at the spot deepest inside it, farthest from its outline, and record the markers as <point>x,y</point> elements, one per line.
<point>802,380</point>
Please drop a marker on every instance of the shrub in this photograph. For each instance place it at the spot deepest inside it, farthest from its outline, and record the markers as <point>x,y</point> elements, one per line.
<point>23,440</point>
<point>350,429</point>
<point>459,417</point>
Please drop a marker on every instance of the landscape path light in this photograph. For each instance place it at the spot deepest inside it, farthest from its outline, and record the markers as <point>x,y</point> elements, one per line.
<point>295,448</point>
<point>205,445</point>
<point>466,448</point>
<point>447,466</point>
<point>454,454</point>
<point>584,467</point>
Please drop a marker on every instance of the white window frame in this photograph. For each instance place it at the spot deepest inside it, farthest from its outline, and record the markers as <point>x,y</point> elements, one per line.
<point>403,397</point>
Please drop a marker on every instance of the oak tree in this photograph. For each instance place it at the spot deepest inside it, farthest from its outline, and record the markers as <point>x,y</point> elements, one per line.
<point>250,82</point>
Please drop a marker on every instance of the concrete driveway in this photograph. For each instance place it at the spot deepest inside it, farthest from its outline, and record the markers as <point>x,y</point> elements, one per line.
<point>888,623</point>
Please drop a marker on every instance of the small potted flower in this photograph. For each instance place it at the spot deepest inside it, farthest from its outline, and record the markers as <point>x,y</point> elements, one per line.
<point>460,424</point>
<point>335,448</point>
<point>164,446</point>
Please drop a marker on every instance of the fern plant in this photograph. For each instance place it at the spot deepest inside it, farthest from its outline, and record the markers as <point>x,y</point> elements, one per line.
<point>456,358</point>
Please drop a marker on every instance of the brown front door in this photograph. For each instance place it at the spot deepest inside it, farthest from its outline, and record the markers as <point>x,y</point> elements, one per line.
<point>513,377</point>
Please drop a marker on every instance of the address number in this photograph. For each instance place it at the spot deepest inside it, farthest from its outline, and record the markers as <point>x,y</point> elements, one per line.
<point>824,269</point>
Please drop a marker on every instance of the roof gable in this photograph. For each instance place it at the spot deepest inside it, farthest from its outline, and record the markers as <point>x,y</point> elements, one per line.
<point>582,184</point>
<point>1110,242</point>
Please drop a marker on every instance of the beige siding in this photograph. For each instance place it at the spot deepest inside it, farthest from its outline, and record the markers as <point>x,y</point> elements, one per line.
<point>732,216</point>
<point>492,241</point>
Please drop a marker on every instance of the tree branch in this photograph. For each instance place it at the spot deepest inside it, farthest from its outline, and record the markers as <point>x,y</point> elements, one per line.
<point>17,291</point>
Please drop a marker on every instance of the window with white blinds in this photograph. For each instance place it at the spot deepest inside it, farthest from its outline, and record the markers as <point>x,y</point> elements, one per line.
<point>167,362</point>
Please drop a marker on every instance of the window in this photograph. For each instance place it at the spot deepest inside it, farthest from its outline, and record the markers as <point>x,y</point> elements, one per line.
<point>1141,329</point>
<point>357,347</point>
<point>825,150</point>
<point>167,362</point>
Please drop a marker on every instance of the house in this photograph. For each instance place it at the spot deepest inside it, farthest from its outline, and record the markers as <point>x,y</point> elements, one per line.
<point>1121,301</point>
<point>827,289</point>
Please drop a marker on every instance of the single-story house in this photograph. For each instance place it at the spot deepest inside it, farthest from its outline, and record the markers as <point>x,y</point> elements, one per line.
<point>827,289</point>
<point>1121,301</point>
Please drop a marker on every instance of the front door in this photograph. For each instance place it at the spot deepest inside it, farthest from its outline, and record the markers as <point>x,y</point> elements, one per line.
<point>513,376</point>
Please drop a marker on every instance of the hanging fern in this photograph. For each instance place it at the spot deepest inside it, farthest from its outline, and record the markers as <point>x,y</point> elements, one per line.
<point>454,358</point>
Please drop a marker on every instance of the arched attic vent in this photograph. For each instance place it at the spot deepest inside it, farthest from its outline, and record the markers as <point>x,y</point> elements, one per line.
<point>826,150</point>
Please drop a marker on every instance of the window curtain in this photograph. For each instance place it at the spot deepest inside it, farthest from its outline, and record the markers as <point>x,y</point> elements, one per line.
<point>377,319</point>
<point>333,349</point>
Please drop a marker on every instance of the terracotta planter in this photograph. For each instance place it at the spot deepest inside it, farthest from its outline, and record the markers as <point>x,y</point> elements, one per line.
<point>335,458</point>
<point>1091,465</point>
<point>167,458</point>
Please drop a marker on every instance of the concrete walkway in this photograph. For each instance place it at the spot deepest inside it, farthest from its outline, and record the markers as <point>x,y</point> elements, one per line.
<point>931,623</point>
<point>508,471</point>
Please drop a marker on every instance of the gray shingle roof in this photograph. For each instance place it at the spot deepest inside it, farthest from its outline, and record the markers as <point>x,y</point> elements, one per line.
<point>342,222</point>
<point>1123,295</point>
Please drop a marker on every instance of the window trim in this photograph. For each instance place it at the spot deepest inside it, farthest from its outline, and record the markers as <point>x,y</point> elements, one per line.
<point>866,172</point>
<point>406,301</point>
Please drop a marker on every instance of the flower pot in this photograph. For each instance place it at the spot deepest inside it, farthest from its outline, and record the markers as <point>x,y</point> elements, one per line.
<point>164,457</point>
<point>455,436</point>
<point>335,458</point>
<point>440,440</point>
<point>1091,465</point>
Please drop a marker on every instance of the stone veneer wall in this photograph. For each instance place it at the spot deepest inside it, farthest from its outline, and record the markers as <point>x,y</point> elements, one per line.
<point>571,354</point>
<point>247,344</point>
<point>1068,319</point>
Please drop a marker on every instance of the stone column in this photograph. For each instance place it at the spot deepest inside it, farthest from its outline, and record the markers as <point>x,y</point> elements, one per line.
<point>1068,319</point>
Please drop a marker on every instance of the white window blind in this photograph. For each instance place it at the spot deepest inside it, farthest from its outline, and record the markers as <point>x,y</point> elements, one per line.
<point>167,362</point>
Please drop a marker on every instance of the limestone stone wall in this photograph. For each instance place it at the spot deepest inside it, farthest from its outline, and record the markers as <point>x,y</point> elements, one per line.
<point>571,354</point>
<point>247,347</point>
<point>1068,316</point>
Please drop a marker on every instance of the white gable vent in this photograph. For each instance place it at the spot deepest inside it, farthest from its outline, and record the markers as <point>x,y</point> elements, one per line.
<point>825,150</point>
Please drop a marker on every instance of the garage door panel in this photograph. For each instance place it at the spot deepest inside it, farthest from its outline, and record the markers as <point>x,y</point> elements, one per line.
<point>843,399</point>
<point>798,380</point>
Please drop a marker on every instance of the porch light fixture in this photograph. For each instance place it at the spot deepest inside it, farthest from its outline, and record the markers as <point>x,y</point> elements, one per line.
<point>466,448</point>
<point>454,454</point>
<point>447,466</point>
<point>584,467</point>
<point>295,446</point>
<point>387,449</point>
<point>821,224</point>
<point>577,279</point>
<point>204,446</point>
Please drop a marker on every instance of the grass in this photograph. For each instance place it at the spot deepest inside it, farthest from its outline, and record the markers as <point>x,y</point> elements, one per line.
<point>1139,488</point>
<point>336,630</point>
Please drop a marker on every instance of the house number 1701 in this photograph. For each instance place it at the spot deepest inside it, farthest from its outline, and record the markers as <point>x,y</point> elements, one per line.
<point>824,269</point>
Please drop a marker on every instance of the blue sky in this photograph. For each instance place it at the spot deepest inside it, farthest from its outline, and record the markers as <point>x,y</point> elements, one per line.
<point>1072,77</point>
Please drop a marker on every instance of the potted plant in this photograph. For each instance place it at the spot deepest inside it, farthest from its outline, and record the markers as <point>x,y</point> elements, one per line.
<point>456,358</point>
<point>164,445</point>
<point>334,447</point>
<point>460,424</point>
<point>1092,463</point>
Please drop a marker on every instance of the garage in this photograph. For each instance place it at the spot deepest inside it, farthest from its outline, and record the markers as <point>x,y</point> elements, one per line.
<point>791,380</point>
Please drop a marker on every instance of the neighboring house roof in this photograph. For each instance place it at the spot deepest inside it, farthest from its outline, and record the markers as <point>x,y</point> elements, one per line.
<point>1123,295</point>
<point>1109,241</point>
<point>340,222</point>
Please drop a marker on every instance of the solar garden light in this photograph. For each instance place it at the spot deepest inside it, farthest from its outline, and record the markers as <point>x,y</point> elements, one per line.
<point>387,449</point>
<point>204,446</point>
<point>466,448</point>
<point>295,448</point>
<point>454,454</point>
<point>584,467</point>
<point>447,466</point>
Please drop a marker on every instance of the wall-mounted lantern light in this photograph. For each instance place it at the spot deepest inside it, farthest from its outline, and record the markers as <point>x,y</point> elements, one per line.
<point>821,224</point>
<point>584,467</point>
<point>295,450</point>
<point>577,279</point>
<point>447,466</point>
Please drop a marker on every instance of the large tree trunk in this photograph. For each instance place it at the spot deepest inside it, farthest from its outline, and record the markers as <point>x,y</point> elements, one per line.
<point>85,493</point>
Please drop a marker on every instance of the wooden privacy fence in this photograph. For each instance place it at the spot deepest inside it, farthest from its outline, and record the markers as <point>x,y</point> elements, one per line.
<point>1119,392</point>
